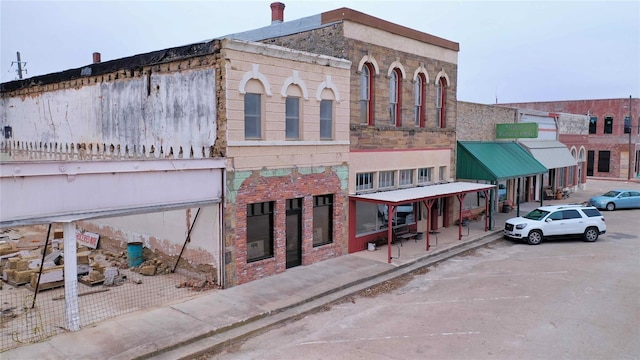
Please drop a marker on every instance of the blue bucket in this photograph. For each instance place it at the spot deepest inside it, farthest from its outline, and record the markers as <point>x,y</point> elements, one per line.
<point>134,254</point>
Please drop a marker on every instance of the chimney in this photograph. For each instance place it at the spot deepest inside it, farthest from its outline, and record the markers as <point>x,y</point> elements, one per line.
<point>96,57</point>
<point>277,12</point>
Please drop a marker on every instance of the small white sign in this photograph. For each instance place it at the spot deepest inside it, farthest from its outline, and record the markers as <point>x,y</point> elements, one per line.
<point>87,239</point>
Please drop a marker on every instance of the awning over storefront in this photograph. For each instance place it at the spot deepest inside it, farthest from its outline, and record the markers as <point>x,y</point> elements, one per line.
<point>427,195</point>
<point>496,160</point>
<point>404,196</point>
<point>552,154</point>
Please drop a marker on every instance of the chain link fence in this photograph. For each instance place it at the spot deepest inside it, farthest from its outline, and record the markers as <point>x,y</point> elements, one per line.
<point>113,279</point>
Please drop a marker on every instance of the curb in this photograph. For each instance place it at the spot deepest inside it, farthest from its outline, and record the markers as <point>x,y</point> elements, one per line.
<point>216,341</point>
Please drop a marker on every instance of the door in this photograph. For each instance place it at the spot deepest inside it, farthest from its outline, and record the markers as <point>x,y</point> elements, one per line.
<point>294,232</point>
<point>590,159</point>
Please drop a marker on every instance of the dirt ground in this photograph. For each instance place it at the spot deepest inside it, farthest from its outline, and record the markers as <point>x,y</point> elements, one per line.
<point>25,321</point>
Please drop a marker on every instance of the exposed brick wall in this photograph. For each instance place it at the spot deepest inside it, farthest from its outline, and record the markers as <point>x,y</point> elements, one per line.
<point>285,184</point>
<point>617,142</point>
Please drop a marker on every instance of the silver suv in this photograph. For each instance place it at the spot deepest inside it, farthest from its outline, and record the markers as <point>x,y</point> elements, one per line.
<point>556,221</point>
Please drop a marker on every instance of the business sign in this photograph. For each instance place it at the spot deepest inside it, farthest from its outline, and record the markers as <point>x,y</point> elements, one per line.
<point>521,130</point>
<point>87,239</point>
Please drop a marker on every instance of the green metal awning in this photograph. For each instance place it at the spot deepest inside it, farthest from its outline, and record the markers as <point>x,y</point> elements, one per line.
<point>493,161</point>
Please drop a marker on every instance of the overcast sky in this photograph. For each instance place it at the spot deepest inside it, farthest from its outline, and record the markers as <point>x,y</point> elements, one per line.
<point>514,50</point>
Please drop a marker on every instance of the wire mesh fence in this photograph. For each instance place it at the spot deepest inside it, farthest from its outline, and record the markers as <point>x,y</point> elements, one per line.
<point>113,279</point>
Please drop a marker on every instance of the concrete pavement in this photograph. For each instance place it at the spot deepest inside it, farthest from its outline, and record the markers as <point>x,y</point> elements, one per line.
<point>216,319</point>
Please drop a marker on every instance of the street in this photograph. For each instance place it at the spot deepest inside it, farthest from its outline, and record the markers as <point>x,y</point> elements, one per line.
<point>564,299</point>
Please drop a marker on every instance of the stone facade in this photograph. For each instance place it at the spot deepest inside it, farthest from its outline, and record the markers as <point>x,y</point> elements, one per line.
<point>477,122</point>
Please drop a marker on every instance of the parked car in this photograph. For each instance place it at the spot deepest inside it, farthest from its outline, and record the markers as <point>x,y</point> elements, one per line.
<point>404,214</point>
<point>556,221</point>
<point>617,199</point>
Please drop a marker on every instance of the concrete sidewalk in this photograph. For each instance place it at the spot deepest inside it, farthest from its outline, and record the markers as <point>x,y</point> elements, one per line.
<point>215,319</point>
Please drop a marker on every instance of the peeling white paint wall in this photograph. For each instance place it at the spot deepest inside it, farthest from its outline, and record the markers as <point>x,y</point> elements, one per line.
<point>168,110</point>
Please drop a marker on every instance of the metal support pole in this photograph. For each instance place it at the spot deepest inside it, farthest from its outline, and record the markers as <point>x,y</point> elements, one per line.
<point>631,155</point>
<point>71,277</point>
<point>44,254</point>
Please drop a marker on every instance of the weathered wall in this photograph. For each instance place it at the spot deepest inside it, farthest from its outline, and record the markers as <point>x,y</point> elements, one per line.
<point>276,169</point>
<point>393,160</point>
<point>247,187</point>
<point>142,114</point>
<point>164,233</point>
<point>477,122</point>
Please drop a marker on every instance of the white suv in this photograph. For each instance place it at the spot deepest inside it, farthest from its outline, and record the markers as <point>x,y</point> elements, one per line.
<point>556,221</point>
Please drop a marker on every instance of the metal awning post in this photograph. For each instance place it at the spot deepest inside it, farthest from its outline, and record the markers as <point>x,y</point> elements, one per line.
<point>460,200</point>
<point>429,204</point>
<point>391,211</point>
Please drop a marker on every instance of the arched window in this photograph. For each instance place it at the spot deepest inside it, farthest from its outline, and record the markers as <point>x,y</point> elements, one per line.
<point>253,110</point>
<point>366,94</point>
<point>441,102</point>
<point>293,112</point>
<point>418,103</point>
<point>395,97</point>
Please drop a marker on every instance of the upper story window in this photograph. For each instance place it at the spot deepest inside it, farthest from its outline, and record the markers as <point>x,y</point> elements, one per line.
<point>441,102</point>
<point>425,175</point>
<point>405,177</point>
<point>326,119</point>
<point>386,179</point>
<point>593,121</point>
<point>442,173</point>
<point>395,98</point>
<point>608,125</point>
<point>364,181</point>
<point>292,127</point>
<point>252,116</point>
<point>418,102</point>
<point>366,94</point>
<point>627,125</point>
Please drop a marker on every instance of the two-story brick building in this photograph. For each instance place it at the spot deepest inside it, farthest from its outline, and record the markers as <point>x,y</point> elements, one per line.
<point>613,139</point>
<point>277,117</point>
<point>402,109</point>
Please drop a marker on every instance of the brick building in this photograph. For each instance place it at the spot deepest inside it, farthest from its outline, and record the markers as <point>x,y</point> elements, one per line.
<point>402,107</point>
<point>613,138</point>
<point>276,118</point>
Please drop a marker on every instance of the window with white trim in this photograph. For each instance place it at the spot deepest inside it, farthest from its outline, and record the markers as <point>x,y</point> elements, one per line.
<point>292,114</point>
<point>418,108</point>
<point>441,102</point>
<point>386,179</point>
<point>394,98</point>
<point>326,119</point>
<point>425,175</point>
<point>252,116</point>
<point>442,173</point>
<point>366,94</point>
<point>364,181</point>
<point>405,177</point>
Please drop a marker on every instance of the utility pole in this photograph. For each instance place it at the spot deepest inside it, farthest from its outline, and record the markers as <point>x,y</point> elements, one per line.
<point>631,154</point>
<point>20,63</point>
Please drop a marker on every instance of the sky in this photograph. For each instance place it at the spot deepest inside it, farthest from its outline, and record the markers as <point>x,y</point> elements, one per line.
<point>510,51</point>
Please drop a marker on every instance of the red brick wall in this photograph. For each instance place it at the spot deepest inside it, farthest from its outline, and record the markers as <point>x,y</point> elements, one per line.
<point>257,188</point>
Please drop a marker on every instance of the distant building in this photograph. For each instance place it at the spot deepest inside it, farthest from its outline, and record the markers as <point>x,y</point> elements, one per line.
<point>613,138</point>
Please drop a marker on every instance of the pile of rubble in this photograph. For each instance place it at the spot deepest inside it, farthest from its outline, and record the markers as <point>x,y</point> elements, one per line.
<point>20,262</point>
